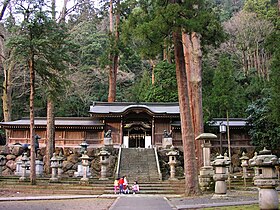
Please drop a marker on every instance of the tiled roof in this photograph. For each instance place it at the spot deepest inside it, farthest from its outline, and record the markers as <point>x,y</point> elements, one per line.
<point>58,122</point>
<point>120,107</point>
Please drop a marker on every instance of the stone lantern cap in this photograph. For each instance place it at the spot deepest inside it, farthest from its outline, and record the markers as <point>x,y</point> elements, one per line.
<point>244,157</point>
<point>54,157</point>
<point>84,144</point>
<point>85,156</point>
<point>264,159</point>
<point>24,158</point>
<point>103,152</point>
<point>206,136</point>
<point>172,152</point>
<point>220,161</point>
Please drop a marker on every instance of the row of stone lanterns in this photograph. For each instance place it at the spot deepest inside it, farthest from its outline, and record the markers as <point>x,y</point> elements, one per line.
<point>57,164</point>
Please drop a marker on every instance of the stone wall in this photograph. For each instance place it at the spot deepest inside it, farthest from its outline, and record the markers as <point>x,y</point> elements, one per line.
<point>70,163</point>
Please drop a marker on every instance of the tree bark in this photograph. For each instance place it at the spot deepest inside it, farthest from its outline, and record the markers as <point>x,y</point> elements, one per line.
<point>7,68</point>
<point>50,135</point>
<point>113,70</point>
<point>5,4</point>
<point>63,12</point>
<point>32,124</point>
<point>190,163</point>
<point>193,57</point>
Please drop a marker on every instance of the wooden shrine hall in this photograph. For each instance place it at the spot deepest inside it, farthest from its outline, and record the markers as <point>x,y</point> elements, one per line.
<point>131,125</point>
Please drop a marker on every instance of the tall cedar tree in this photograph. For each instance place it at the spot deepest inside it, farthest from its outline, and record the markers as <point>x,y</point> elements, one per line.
<point>40,41</point>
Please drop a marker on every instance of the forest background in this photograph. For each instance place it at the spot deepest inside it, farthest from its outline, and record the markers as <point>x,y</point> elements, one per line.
<point>73,46</point>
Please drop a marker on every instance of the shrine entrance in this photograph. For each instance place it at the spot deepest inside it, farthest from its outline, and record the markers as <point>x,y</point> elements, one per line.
<point>136,140</point>
<point>137,134</point>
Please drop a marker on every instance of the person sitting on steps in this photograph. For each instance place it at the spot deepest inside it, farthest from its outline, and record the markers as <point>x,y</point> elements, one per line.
<point>135,187</point>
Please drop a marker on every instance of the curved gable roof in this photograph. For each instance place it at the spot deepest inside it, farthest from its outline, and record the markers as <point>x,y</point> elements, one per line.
<point>119,108</point>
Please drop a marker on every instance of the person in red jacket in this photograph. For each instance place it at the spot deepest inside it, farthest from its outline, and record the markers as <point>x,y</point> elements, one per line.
<point>121,181</point>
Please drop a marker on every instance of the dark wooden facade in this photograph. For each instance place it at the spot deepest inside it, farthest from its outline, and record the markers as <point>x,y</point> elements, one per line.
<point>131,125</point>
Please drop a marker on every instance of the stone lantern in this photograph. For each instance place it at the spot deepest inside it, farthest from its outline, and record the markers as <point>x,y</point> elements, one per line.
<point>60,159</point>
<point>83,146</point>
<point>54,166</point>
<point>25,166</point>
<point>220,164</point>
<point>266,178</point>
<point>244,164</point>
<point>104,161</point>
<point>206,171</point>
<point>172,162</point>
<point>2,163</point>
<point>85,164</point>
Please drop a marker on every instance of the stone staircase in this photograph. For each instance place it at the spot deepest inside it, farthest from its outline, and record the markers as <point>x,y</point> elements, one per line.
<point>71,186</point>
<point>139,164</point>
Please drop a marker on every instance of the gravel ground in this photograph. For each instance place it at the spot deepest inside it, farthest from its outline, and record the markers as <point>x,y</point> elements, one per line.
<point>74,204</point>
<point>233,196</point>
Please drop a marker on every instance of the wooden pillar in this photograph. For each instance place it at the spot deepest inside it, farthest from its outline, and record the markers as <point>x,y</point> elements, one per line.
<point>121,131</point>
<point>153,132</point>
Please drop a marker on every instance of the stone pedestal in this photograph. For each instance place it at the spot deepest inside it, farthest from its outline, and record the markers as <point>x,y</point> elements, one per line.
<point>205,178</point>
<point>39,168</point>
<point>220,176</point>
<point>266,178</point>
<point>85,164</point>
<point>24,165</point>
<point>54,166</point>
<point>104,161</point>
<point>206,171</point>
<point>59,166</point>
<point>108,141</point>
<point>167,142</point>
<point>244,164</point>
<point>172,162</point>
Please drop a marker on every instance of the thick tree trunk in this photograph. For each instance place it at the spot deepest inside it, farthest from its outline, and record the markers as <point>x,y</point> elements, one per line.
<point>111,15</point>
<point>115,57</point>
<point>7,90</point>
<point>50,135</point>
<point>193,56</point>
<point>7,68</point>
<point>32,124</point>
<point>190,163</point>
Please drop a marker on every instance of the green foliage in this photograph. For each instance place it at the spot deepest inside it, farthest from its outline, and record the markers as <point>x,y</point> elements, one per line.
<point>152,22</point>
<point>42,39</point>
<point>263,131</point>
<point>226,94</point>
<point>141,88</point>
<point>267,9</point>
<point>274,81</point>
<point>164,88</point>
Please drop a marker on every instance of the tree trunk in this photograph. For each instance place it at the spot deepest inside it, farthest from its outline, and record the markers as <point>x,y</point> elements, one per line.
<point>111,27</point>
<point>115,56</point>
<point>32,124</point>
<point>50,135</point>
<point>190,163</point>
<point>193,56</point>
<point>63,12</point>
<point>152,63</point>
<point>5,4</point>
<point>7,68</point>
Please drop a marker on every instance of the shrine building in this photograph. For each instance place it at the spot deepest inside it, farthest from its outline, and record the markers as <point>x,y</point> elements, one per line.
<point>130,125</point>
